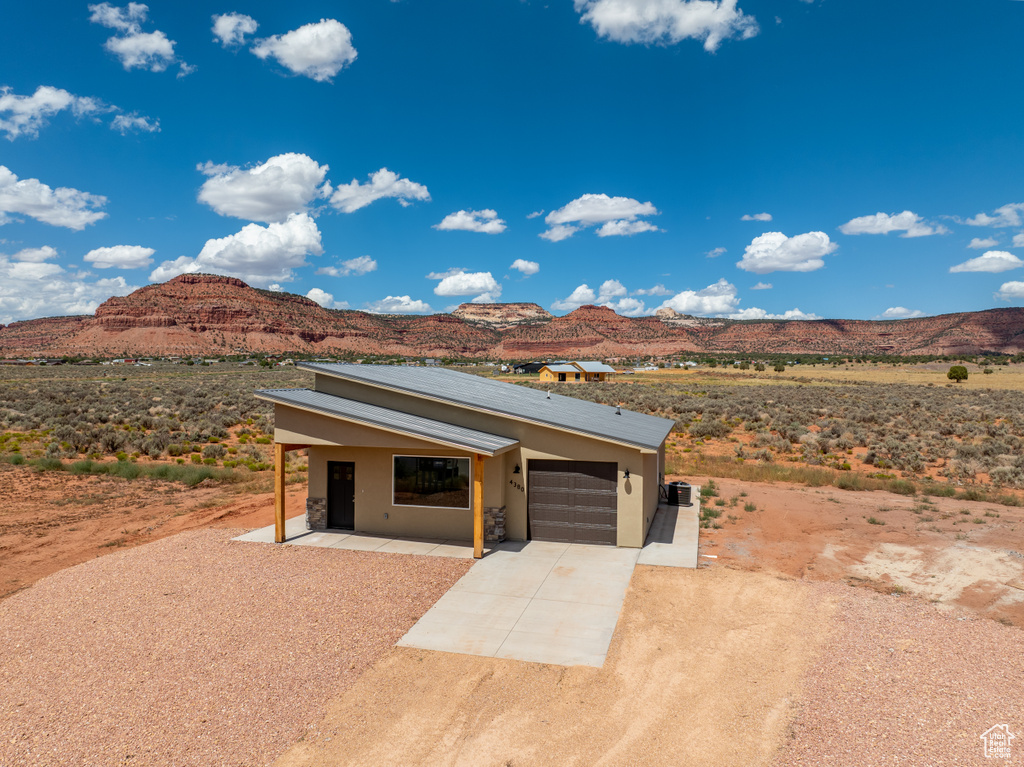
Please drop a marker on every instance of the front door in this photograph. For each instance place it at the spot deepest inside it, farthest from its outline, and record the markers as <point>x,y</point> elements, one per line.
<point>341,495</point>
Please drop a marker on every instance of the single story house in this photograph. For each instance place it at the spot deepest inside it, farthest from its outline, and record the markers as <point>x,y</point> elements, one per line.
<point>528,368</point>
<point>575,372</point>
<point>434,453</point>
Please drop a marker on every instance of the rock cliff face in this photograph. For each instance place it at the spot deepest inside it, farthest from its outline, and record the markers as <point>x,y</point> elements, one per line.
<point>201,314</point>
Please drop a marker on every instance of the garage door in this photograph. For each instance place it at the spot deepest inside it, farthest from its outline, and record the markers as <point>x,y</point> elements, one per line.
<point>572,501</point>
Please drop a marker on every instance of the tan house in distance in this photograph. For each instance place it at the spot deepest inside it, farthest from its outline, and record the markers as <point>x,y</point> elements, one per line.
<point>434,453</point>
<point>575,372</point>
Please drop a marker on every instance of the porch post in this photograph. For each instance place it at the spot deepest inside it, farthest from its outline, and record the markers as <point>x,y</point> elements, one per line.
<point>478,506</point>
<point>279,498</point>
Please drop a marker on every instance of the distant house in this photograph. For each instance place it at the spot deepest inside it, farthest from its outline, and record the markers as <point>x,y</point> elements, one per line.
<point>575,372</point>
<point>528,368</point>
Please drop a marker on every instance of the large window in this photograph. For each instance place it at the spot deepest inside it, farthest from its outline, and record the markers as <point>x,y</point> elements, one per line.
<point>421,480</point>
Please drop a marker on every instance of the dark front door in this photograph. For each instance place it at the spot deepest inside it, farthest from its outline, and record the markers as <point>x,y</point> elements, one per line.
<point>341,495</point>
<point>573,501</point>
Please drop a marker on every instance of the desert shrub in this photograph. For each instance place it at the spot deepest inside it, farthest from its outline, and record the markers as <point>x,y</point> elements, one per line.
<point>49,464</point>
<point>214,451</point>
<point>705,429</point>
<point>901,487</point>
<point>174,450</point>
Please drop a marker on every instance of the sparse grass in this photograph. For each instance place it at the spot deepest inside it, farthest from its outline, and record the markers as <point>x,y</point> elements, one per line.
<point>749,507</point>
<point>184,474</point>
<point>875,521</point>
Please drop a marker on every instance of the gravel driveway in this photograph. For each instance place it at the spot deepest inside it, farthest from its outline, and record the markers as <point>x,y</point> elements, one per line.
<point>197,650</point>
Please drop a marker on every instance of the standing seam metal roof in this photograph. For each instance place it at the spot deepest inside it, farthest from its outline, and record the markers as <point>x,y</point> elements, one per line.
<point>473,392</point>
<point>374,415</point>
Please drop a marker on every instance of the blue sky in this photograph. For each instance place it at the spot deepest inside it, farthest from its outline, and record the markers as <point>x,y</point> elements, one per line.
<point>787,158</point>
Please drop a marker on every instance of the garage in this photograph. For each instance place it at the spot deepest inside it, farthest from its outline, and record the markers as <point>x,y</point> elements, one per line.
<point>573,501</point>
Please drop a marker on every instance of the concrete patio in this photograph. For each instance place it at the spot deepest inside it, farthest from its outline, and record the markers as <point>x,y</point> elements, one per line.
<point>533,600</point>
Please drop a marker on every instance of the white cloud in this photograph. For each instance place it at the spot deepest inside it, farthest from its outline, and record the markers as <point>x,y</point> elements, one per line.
<point>120,256</point>
<point>257,254</point>
<point>762,286</point>
<point>134,48</point>
<point>25,115</point>
<point>1008,215</point>
<point>1011,291</point>
<point>754,313</point>
<point>318,51</point>
<point>526,267</point>
<point>719,298</point>
<point>1018,240</point>
<point>230,29</point>
<point>133,121</point>
<point>354,266</point>
<point>581,296</point>
<point>618,216</point>
<point>384,183</point>
<point>536,214</point>
<point>30,289</point>
<point>284,184</point>
<point>667,21</point>
<point>629,307</point>
<point>977,243</point>
<point>398,305</point>
<point>62,206</point>
<point>485,221</point>
<point>911,224</point>
<point>899,313</point>
<point>657,290</point>
<point>994,261</point>
<point>33,255</point>
<point>325,299</point>
<point>611,289</point>
<point>756,217</point>
<point>460,283</point>
<point>775,252</point>
<point>715,252</point>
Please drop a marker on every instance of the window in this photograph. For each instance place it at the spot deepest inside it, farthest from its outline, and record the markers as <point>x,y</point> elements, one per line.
<point>431,481</point>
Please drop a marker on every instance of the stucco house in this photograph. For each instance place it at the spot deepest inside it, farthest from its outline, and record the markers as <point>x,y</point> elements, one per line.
<point>575,372</point>
<point>434,453</point>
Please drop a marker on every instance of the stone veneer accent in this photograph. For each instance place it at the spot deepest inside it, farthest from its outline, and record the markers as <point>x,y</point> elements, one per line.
<point>494,524</point>
<point>316,513</point>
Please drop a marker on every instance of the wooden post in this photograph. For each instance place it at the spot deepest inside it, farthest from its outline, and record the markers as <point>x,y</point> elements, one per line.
<point>279,497</point>
<point>478,506</point>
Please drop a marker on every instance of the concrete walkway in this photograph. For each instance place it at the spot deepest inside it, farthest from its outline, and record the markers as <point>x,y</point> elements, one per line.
<point>533,601</point>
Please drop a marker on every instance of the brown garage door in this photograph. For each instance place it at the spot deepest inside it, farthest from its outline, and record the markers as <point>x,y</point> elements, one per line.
<point>572,501</point>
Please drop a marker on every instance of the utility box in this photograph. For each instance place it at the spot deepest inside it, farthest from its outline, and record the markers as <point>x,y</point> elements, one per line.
<point>679,494</point>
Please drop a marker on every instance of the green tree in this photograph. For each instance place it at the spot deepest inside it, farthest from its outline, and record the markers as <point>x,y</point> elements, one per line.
<point>957,373</point>
<point>780,367</point>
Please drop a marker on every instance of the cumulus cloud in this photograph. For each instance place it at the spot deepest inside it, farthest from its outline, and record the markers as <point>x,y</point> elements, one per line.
<point>612,294</point>
<point>134,123</point>
<point>977,243</point>
<point>257,254</point>
<point>284,184</point>
<point>120,256</point>
<point>1011,291</point>
<point>25,115</point>
<point>617,216</point>
<point>325,299</point>
<point>775,252</point>
<point>1018,240</point>
<point>756,217</point>
<point>134,48</point>
<point>665,22</point>
<point>462,283</point>
<point>536,214</point>
<point>31,288</point>
<point>485,221</point>
<point>525,267</point>
<point>762,286</point>
<point>754,313</point>
<point>398,305</point>
<point>899,313</point>
<point>719,298</point>
<point>581,296</point>
<point>318,51</point>
<point>231,29</point>
<point>62,206</point>
<point>715,252</point>
<point>911,224</point>
<point>657,290</point>
<point>353,266</point>
<point>33,255</point>
<point>1008,215</point>
<point>384,183</point>
<point>994,261</point>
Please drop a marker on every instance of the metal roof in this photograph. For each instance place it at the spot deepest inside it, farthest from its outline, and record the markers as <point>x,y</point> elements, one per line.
<point>563,368</point>
<point>594,367</point>
<point>373,415</point>
<point>477,393</point>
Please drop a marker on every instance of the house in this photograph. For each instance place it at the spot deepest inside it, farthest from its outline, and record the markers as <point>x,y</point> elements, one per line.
<point>575,372</point>
<point>528,368</point>
<point>434,453</point>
